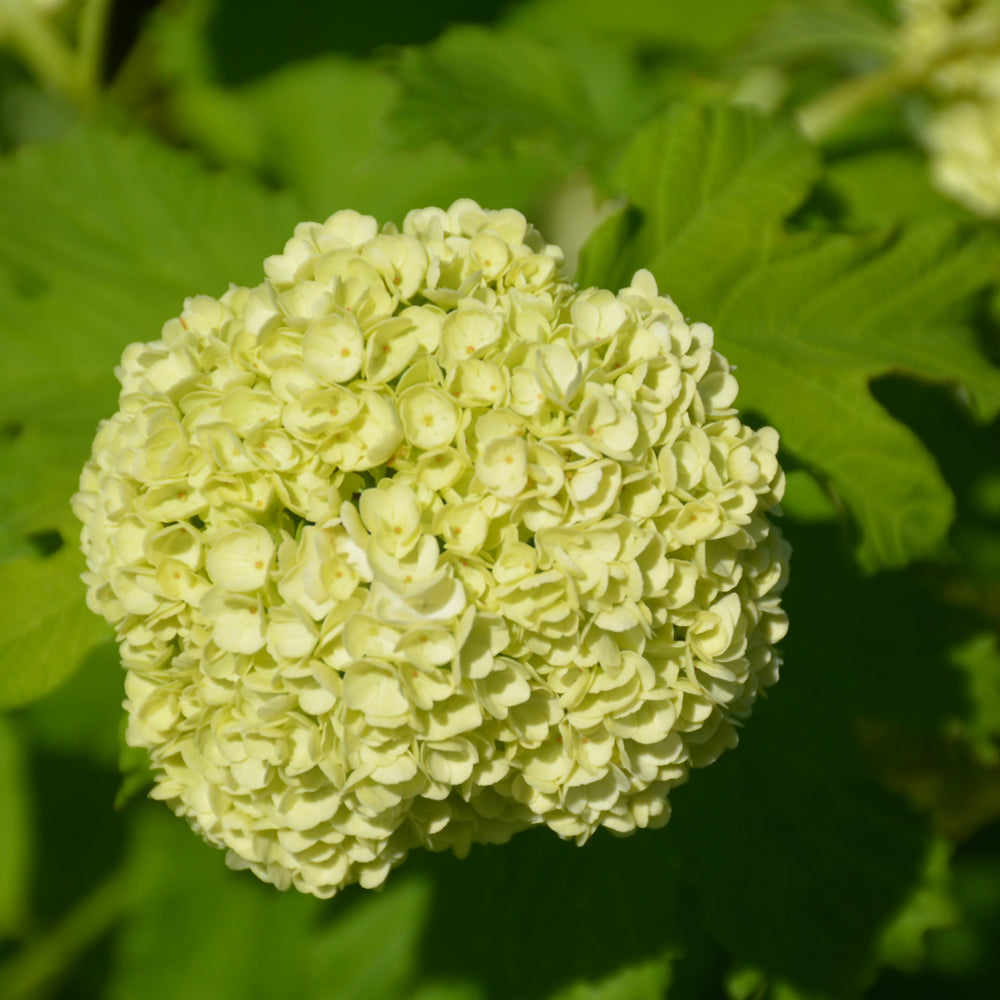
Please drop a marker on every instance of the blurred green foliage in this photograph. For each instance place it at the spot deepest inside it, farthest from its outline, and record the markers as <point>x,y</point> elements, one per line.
<point>851,845</point>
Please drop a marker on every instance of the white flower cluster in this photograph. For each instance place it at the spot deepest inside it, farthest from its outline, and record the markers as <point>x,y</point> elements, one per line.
<point>954,47</point>
<point>415,544</point>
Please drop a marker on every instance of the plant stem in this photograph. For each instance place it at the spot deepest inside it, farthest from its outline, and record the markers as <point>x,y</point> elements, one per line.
<point>31,973</point>
<point>92,36</point>
<point>824,115</point>
<point>908,72</point>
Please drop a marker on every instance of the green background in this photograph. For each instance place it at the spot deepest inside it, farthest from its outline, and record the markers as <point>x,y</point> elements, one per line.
<point>850,846</point>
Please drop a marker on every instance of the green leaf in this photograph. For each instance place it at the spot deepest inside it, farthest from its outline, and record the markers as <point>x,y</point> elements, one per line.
<point>810,332</point>
<point>436,990</point>
<point>809,321</point>
<point>479,89</point>
<point>799,33</point>
<point>799,858</point>
<point>978,658</point>
<point>931,906</point>
<point>45,624</point>
<point>883,186</point>
<point>748,983</point>
<point>16,855</point>
<point>649,980</point>
<point>708,189</point>
<point>541,918</point>
<point>51,422</point>
<point>805,499</point>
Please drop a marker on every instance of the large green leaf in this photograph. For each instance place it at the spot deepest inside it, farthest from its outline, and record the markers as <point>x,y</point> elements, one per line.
<point>541,918</point>
<point>809,320</point>
<point>478,88</point>
<point>708,188</point>
<point>798,857</point>
<point>806,868</point>
<point>482,89</point>
<point>101,240</point>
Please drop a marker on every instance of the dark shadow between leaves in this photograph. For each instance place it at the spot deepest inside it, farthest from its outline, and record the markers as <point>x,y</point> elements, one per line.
<point>869,647</point>
<point>79,836</point>
<point>10,431</point>
<point>23,281</point>
<point>801,858</point>
<point>966,451</point>
<point>249,40</point>
<point>538,914</point>
<point>46,543</point>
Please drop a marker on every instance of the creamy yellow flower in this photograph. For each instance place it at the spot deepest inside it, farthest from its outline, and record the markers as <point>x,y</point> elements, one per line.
<point>416,544</point>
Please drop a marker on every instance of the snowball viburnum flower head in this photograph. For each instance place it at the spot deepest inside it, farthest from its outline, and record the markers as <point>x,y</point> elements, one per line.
<point>417,544</point>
